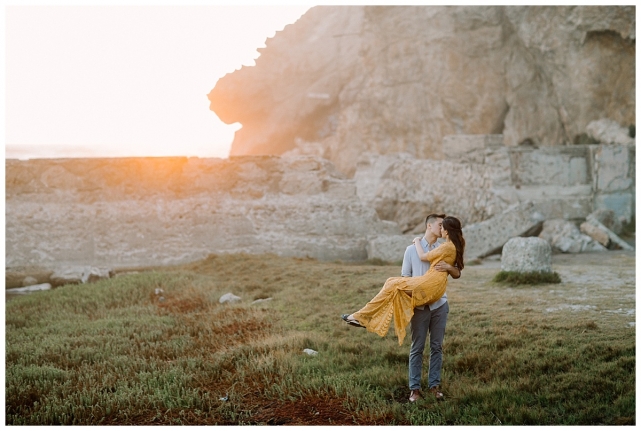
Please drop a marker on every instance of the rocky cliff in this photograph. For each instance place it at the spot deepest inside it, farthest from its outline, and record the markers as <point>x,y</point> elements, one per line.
<point>343,81</point>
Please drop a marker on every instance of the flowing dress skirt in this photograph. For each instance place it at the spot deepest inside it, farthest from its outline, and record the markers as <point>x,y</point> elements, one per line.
<point>394,300</point>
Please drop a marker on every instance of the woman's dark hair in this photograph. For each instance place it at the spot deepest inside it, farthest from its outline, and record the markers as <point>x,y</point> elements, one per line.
<point>453,227</point>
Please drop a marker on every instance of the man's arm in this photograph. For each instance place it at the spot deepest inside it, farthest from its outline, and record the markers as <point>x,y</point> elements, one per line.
<point>443,266</point>
<point>406,270</point>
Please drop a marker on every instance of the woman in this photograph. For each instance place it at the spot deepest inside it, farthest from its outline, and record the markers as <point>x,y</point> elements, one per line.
<point>400,295</point>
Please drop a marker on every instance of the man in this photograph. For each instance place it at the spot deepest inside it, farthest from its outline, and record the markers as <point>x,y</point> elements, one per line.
<point>430,318</point>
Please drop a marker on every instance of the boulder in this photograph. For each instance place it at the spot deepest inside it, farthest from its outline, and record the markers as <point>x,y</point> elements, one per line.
<point>67,275</point>
<point>389,248</point>
<point>79,275</point>
<point>595,233</point>
<point>614,238</point>
<point>607,131</point>
<point>29,289</point>
<point>93,274</point>
<point>488,237</point>
<point>530,254</point>
<point>609,219</point>
<point>29,281</point>
<point>229,298</point>
<point>564,236</point>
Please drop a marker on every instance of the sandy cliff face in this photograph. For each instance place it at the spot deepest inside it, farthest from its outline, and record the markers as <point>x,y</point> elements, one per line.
<point>343,81</point>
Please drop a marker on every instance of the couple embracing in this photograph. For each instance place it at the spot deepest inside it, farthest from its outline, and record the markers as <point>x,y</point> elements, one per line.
<point>418,298</point>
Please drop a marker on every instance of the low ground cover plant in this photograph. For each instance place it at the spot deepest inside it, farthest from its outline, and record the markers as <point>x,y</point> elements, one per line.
<point>157,347</point>
<point>517,278</point>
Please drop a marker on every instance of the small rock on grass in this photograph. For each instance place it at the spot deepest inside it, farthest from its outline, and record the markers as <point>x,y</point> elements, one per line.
<point>229,298</point>
<point>310,352</point>
<point>27,289</point>
<point>258,301</point>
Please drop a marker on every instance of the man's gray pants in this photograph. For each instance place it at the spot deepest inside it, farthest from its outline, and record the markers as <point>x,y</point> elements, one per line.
<point>424,322</point>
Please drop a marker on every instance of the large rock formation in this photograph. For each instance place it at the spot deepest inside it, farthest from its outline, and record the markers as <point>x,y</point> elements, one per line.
<point>404,189</point>
<point>343,81</point>
<point>565,237</point>
<point>138,212</point>
<point>488,237</point>
<point>481,178</point>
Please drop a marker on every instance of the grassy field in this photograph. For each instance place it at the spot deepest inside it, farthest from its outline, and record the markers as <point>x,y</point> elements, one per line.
<point>114,352</point>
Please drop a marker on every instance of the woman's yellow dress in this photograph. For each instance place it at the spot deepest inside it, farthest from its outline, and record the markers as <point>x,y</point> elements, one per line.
<point>393,299</point>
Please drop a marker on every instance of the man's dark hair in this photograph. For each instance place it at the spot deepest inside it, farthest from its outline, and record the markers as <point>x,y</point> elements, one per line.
<point>430,218</point>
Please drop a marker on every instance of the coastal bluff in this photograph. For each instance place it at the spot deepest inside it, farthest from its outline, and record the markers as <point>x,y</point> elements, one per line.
<point>348,80</point>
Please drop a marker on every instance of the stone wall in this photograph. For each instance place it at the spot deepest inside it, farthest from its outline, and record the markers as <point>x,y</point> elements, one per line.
<point>405,189</point>
<point>343,81</point>
<point>480,177</point>
<point>159,211</point>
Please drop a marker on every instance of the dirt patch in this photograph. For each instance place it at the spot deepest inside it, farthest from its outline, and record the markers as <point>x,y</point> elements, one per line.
<point>308,411</point>
<point>311,411</point>
<point>186,303</point>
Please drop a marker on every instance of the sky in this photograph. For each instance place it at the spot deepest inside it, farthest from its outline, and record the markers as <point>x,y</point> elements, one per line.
<point>126,81</point>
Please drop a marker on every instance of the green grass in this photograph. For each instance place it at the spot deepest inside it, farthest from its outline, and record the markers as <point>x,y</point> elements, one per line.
<point>517,278</point>
<point>114,353</point>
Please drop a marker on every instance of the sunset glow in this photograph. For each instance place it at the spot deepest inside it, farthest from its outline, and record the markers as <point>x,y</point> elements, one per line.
<point>119,81</point>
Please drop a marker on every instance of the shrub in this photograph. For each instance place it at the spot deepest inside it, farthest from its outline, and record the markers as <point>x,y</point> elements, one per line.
<point>514,277</point>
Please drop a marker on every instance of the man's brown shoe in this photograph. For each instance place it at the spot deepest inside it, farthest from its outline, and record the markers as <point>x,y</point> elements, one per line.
<point>414,395</point>
<point>438,394</point>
